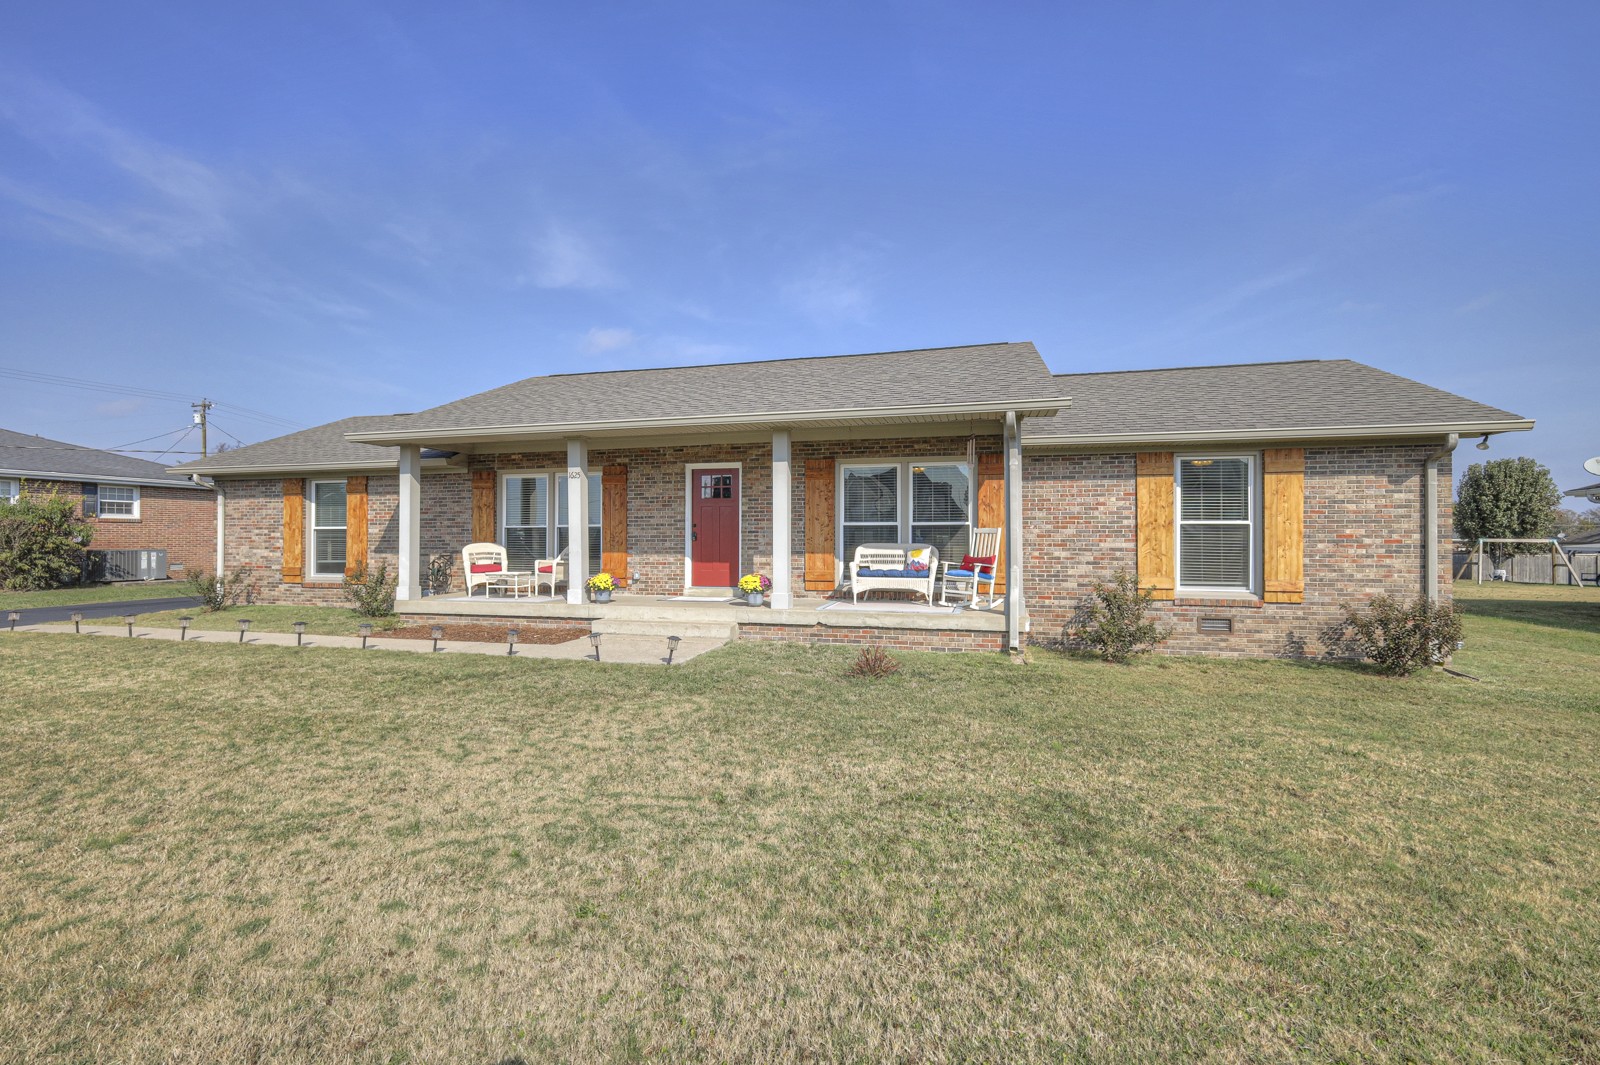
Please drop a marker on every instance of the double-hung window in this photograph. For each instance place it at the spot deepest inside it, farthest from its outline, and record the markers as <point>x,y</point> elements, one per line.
<point>536,525</point>
<point>1218,523</point>
<point>901,502</point>
<point>9,490</point>
<point>328,528</point>
<point>119,501</point>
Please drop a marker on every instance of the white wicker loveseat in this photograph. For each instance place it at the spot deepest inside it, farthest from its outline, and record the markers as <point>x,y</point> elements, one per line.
<point>894,568</point>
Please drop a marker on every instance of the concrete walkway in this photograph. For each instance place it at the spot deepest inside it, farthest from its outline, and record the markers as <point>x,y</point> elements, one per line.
<point>629,650</point>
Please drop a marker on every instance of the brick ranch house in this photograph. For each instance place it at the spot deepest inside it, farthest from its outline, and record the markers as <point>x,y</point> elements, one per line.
<point>131,503</point>
<point>1254,500</point>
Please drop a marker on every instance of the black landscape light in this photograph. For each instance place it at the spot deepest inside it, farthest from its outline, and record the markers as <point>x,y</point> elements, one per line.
<point>438,634</point>
<point>299,633</point>
<point>511,641</point>
<point>14,616</point>
<point>594,641</point>
<point>672,647</point>
<point>77,623</point>
<point>183,628</point>
<point>129,619</point>
<point>366,630</point>
<point>244,627</point>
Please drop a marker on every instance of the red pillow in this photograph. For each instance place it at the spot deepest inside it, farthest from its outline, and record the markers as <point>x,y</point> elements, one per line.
<point>975,562</point>
<point>486,567</point>
<point>547,568</point>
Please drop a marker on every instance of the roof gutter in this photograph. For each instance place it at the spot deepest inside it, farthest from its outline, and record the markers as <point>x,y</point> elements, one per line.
<point>94,478</point>
<point>1322,432</point>
<point>395,435</point>
<point>306,467</point>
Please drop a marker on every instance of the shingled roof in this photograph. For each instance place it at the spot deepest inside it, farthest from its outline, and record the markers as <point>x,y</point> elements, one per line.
<point>1332,397</point>
<point>40,458</point>
<point>320,447</point>
<point>976,380</point>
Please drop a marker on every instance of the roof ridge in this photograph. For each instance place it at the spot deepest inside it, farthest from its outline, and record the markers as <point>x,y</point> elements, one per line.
<point>1207,366</point>
<point>763,362</point>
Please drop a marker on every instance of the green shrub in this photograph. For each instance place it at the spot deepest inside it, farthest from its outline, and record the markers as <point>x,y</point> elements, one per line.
<point>1114,623</point>
<point>42,542</point>
<point>1401,638</point>
<point>371,590</point>
<point>218,591</point>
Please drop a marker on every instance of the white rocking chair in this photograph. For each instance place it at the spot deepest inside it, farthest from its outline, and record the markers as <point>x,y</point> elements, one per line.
<point>968,582</point>
<point>551,571</point>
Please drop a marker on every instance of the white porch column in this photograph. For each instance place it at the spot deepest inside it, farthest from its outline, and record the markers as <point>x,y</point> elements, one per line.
<point>577,519</point>
<point>782,594</point>
<point>409,518</point>
<point>1013,513</point>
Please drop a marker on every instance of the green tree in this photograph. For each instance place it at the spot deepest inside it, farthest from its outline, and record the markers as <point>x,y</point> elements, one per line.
<point>42,541</point>
<point>1506,498</point>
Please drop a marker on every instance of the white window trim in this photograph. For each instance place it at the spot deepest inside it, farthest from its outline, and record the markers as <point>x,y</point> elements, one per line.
<point>10,489</point>
<point>1253,485</point>
<point>689,469</point>
<point>100,502</point>
<point>312,528</point>
<point>904,518</point>
<point>555,486</point>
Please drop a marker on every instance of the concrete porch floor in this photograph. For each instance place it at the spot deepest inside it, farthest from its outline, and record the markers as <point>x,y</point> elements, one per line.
<point>652,614</point>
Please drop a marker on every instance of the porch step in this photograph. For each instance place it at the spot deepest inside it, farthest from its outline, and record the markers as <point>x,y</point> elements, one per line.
<point>716,630</point>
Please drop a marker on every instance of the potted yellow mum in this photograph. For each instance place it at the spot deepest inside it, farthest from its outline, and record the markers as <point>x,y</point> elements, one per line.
<point>754,587</point>
<point>600,586</point>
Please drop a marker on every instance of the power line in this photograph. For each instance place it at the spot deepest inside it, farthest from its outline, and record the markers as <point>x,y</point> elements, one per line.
<point>137,392</point>
<point>180,440</point>
<point>146,440</point>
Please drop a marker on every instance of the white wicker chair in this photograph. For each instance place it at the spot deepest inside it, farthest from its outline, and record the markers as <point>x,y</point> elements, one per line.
<point>985,544</point>
<point>888,569</point>
<point>551,571</point>
<point>486,565</point>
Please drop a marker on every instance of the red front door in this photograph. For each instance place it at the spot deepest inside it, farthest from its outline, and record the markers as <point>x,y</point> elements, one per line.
<point>714,528</point>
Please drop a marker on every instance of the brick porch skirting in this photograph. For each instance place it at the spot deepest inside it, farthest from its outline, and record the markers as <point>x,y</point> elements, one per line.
<point>896,639</point>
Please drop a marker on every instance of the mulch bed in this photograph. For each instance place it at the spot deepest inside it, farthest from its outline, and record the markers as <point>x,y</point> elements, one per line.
<point>485,633</point>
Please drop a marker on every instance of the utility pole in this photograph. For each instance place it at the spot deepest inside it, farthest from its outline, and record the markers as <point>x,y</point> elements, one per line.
<point>200,410</point>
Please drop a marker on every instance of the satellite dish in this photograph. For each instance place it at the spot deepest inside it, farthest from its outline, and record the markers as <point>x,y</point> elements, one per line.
<point>1593,465</point>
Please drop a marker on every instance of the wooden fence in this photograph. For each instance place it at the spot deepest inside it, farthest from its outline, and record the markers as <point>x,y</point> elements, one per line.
<point>1529,569</point>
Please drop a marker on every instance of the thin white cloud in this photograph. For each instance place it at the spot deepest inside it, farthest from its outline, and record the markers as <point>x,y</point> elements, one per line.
<point>116,408</point>
<point>834,289</point>
<point>598,341</point>
<point>564,258</point>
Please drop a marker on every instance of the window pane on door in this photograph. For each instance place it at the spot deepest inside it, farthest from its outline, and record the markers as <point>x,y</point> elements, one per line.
<point>872,494</point>
<point>525,546</point>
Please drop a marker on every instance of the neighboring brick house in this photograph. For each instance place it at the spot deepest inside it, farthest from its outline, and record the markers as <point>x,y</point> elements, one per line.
<point>130,502</point>
<point>1255,501</point>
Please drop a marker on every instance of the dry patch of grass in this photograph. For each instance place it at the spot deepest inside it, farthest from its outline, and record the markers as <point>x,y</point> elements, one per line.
<point>221,853</point>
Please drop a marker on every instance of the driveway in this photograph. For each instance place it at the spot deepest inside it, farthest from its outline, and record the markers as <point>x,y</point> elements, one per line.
<point>43,615</point>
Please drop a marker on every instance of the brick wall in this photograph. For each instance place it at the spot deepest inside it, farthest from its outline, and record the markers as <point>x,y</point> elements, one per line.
<point>1363,536</point>
<point>893,639</point>
<point>183,521</point>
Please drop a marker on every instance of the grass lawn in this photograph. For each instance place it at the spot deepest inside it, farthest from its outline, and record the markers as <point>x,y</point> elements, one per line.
<point>320,620</point>
<point>256,854</point>
<point>93,593</point>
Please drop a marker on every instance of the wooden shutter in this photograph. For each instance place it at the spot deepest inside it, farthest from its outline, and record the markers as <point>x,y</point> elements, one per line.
<point>1156,528</point>
<point>992,509</point>
<point>294,530</point>
<point>355,521</point>
<point>614,523</point>
<point>1283,500</point>
<point>821,552</point>
<point>483,525</point>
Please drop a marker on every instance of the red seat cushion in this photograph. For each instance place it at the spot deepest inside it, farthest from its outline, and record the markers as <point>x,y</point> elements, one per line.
<point>973,562</point>
<point>547,568</point>
<point>486,567</point>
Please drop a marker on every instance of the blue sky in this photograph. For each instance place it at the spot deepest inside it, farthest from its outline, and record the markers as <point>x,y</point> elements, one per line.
<point>326,209</point>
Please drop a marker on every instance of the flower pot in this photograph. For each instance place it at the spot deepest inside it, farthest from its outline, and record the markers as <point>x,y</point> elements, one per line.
<point>754,598</point>
<point>601,597</point>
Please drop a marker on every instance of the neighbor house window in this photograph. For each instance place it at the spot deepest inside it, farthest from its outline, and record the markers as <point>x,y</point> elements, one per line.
<point>328,528</point>
<point>901,502</point>
<point>1217,523</point>
<point>536,523</point>
<point>119,501</point>
<point>9,490</point>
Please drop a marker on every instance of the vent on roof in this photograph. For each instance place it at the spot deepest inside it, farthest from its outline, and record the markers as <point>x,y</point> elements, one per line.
<point>1216,625</point>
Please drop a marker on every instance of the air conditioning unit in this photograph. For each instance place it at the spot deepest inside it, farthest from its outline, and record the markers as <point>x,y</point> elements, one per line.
<point>127,565</point>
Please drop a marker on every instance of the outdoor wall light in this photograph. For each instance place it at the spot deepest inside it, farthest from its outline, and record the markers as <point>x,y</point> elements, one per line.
<point>129,619</point>
<point>183,629</point>
<point>438,634</point>
<point>299,633</point>
<point>77,623</point>
<point>1483,445</point>
<point>366,630</point>
<point>672,647</point>
<point>244,627</point>
<point>14,616</point>
<point>511,641</point>
<point>594,641</point>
